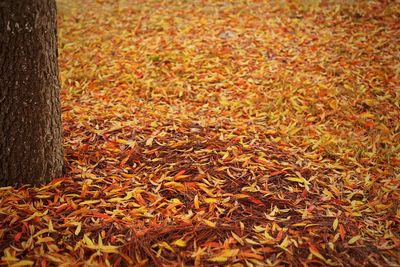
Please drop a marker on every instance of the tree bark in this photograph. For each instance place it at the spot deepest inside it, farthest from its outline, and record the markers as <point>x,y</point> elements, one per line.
<point>30,114</point>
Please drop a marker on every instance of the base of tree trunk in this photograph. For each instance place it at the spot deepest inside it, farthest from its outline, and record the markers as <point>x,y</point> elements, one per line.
<point>30,114</point>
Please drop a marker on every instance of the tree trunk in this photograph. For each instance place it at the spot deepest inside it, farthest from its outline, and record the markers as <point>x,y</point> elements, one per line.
<point>30,114</point>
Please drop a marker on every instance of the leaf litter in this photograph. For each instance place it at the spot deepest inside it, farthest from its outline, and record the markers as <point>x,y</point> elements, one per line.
<point>242,133</point>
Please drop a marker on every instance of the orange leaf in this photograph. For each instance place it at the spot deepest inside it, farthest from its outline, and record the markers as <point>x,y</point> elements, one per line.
<point>342,232</point>
<point>246,254</point>
<point>58,180</point>
<point>101,215</point>
<point>179,174</point>
<point>43,262</point>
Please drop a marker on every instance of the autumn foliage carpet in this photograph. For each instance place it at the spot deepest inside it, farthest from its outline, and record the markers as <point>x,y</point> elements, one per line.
<point>241,133</point>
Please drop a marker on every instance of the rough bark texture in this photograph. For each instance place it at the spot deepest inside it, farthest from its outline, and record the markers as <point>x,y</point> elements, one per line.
<point>30,115</point>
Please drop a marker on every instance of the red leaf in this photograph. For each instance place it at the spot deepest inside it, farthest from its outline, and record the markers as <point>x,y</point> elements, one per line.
<point>256,201</point>
<point>17,237</point>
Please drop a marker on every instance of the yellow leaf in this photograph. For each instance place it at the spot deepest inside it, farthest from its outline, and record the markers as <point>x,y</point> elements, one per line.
<point>327,193</point>
<point>115,199</point>
<point>88,175</point>
<point>180,243</point>
<point>259,228</point>
<point>9,259</point>
<point>267,235</point>
<point>78,228</point>
<point>354,239</point>
<point>163,244</point>
<point>285,242</point>
<point>100,241</point>
<point>256,262</point>
<point>380,207</point>
<point>44,240</point>
<point>87,240</point>
<point>226,154</point>
<point>51,226</point>
<point>5,188</point>
<point>367,115</point>
<point>316,253</point>
<point>224,101</point>
<point>335,224</point>
<point>299,224</point>
<point>149,141</point>
<point>36,214</point>
<point>209,223</point>
<point>299,180</point>
<point>106,249</point>
<point>237,238</point>
<point>210,200</point>
<point>176,201</point>
<point>219,259</point>
<point>41,232</point>
<point>229,253</point>
<point>196,202</point>
<point>167,246</point>
<point>251,241</point>
<point>22,263</point>
<point>335,190</point>
<point>206,190</point>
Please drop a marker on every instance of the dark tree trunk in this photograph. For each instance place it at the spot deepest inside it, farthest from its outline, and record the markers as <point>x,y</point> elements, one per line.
<point>30,116</point>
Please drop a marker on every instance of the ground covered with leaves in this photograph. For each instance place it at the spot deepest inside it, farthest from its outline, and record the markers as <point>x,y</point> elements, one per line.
<point>242,133</point>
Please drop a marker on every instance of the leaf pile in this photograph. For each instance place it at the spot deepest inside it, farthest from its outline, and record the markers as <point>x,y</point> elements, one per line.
<point>211,133</point>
